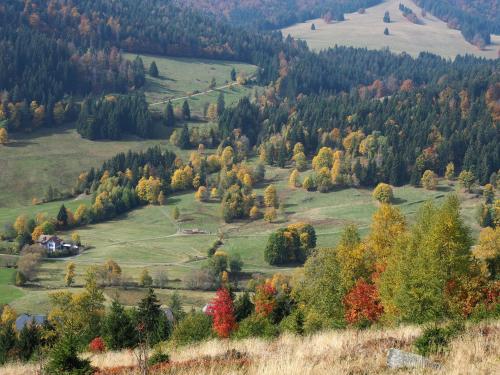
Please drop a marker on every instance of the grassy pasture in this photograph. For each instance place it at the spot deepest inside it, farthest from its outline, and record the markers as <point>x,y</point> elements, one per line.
<point>55,157</point>
<point>8,292</point>
<point>366,30</point>
<point>149,238</point>
<point>180,77</point>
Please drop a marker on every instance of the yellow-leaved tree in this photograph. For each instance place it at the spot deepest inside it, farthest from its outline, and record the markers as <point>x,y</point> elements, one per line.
<point>271,196</point>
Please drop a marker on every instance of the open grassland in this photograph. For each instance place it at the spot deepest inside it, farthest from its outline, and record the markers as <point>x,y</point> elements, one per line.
<point>332,352</point>
<point>367,30</point>
<point>52,157</point>
<point>32,162</point>
<point>181,77</point>
<point>8,292</point>
<point>148,238</point>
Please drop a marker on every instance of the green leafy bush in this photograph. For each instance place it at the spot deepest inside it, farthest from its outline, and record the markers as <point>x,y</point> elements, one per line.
<point>435,340</point>
<point>256,326</point>
<point>193,328</point>
<point>158,357</point>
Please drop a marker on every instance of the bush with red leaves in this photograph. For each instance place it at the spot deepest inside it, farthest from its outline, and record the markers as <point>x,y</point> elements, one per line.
<point>97,345</point>
<point>222,311</point>
<point>362,304</point>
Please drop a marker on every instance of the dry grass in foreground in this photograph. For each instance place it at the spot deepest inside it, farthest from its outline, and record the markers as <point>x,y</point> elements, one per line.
<point>336,352</point>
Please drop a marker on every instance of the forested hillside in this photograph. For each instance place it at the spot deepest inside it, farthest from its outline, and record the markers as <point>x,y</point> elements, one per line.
<point>475,19</point>
<point>274,14</point>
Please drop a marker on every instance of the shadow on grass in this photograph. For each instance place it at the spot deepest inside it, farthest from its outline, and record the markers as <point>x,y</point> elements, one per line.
<point>445,189</point>
<point>397,201</point>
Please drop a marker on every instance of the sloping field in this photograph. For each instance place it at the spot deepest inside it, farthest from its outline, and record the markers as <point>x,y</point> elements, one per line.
<point>330,352</point>
<point>367,30</point>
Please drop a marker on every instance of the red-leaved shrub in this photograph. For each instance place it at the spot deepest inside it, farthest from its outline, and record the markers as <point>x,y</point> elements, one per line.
<point>97,345</point>
<point>362,304</point>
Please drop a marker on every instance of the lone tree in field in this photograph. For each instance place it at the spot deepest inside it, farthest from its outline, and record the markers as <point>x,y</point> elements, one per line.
<point>213,84</point>
<point>169,115</point>
<point>4,136</point>
<point>233,74</point>
<point>271,196</point>
<point>313,27</point>
<point>153,70</point>
<point>467,179</point>
<point>429,180</point>
<point>69,278</point>
<point>383,193</point>
<point>175,213</point>
<point>186,111</point>
<point>386,31</point>
<point>387,17</point>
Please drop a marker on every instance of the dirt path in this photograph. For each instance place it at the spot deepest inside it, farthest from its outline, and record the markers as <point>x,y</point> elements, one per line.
<point>199,93</point>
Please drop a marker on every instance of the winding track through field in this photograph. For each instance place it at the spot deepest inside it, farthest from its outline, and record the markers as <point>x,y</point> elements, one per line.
<point>200,93</point>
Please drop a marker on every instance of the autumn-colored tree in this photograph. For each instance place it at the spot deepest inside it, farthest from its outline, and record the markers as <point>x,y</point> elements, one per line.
<point>466,179</point>
<point>9,316</point>
<point>309,183</point>
<point>429,180</point>
<point>254,213</point>
<point>222,311</point>
<point>4,136</point>
<point>271,196</point>
<point>82,214</point>
<point>388,225</point>
<point>69,278</point>
<point>335,173</point>
<point>422,262</point>
<point>75,238</point>
<point>324,158</point>
<point>488,193</point>
<point>488,251</point>
<point>148,190</point>
<point>383,193</point>
<point>362,304</point>
<point>298,148</point>
<point>265,299</point>
<point>162,200</point>
<point>212,112</point>
<point>293,180</point>
<point>300,161</point>
<point>227,156</point>
<point>21,224</point>
<point>449,174</point>
<point>270,214</point>
<point>145,279</point>
<point>37,232</point>
<point>202,194</point>
<point>353,257</point>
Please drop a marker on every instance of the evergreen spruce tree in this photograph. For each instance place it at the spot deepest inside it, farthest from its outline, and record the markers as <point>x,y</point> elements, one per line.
<point>221,104</point>
<point>62,217</point>
<point>186,112</point>
<point>118,328</point>
<point>153,70</point>
<point>184,142</point>
<point>169,115</point>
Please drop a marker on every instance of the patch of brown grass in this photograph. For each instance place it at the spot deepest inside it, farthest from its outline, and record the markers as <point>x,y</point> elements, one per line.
<point>334,352</point>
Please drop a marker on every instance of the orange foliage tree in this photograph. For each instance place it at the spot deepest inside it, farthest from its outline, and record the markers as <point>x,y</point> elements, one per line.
<point>265,299</point>
<point>362,304</point>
